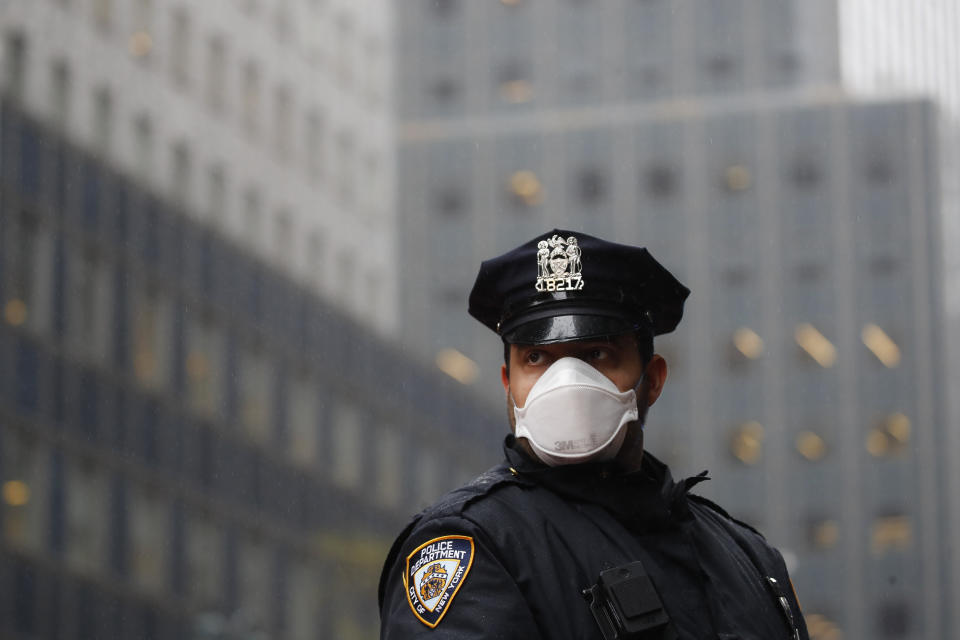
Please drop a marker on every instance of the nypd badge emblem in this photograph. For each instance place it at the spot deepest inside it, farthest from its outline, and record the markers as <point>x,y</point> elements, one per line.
<point>558,265</point>
<point>435,571</point>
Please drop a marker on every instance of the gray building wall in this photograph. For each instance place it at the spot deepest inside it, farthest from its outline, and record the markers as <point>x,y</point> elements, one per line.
<point>779,201</point>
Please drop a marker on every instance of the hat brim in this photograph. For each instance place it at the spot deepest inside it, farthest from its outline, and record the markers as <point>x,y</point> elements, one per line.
<point>566,328</point>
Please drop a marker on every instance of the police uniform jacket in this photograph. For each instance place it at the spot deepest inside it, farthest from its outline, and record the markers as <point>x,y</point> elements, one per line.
<point>526,540</point>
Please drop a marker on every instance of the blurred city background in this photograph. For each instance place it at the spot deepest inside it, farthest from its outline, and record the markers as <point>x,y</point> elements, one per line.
<point>238,236</point>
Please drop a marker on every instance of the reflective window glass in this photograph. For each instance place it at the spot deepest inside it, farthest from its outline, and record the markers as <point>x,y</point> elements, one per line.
<point>149,537</point>
<point>204,365</point>
<point>89,318</point>
<point>256,582</point>
<point>256,393</point>
<point>304,420</point>
<point>345,466</point>
<point>29,259</point>
<point>25,482</point>
<point>87,522</point>
<point>151,335</point>
<point>205,559</point>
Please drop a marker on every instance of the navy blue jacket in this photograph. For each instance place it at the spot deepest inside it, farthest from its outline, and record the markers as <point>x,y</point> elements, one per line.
<point>509,555</point>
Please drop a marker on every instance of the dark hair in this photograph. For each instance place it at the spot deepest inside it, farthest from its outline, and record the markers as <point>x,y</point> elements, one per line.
<point>644,345</point>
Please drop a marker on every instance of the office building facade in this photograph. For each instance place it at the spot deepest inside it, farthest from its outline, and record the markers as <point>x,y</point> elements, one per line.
<point>192,444</point>
<point>808,374</point>
<point>270,122</point>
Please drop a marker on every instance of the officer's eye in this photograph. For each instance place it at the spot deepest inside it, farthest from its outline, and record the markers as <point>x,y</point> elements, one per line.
<point>534,357</point>
<point>598,354</point>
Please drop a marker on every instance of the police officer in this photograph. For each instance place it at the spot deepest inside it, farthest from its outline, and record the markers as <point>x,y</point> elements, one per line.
<point>579,533</point>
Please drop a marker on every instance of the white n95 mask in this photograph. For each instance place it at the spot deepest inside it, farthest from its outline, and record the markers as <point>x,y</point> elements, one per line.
<point>575,414</point>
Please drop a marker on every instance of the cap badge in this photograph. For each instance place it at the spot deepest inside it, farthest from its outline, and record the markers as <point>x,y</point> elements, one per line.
<point>558,265</point>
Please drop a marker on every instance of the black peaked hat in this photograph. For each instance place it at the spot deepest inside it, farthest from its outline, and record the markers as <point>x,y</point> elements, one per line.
<point>565,285</point>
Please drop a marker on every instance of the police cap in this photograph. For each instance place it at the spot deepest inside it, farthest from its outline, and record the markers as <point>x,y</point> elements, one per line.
<point>564,285</point>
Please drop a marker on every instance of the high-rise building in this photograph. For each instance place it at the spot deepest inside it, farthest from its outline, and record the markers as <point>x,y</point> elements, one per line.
<point>891,47</point>
<point>375,152</point>
<point>270,122</point>
<point>191,443</point>
<point>808,373</point>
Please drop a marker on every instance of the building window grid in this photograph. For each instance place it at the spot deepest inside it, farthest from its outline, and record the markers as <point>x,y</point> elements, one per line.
<point>216,85</point>
<point>60,90</point>
<point>102,120</point>
<point>216,194</point>
<point>89,307</point>
<point>283,122</point>
<point>314,144</point>
<point>15,65</point>
<point>102,13</point>
<point>26,486</point>
<point>181,172</point>
<point>250,98</point>
<point>87,511</point>
<point>143,146</point>
<point>180,48</point>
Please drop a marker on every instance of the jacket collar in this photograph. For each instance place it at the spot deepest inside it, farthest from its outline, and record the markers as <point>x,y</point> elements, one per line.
<point>644,499</point>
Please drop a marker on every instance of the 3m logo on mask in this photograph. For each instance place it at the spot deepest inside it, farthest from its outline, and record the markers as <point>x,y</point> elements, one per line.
<point>435,571</point>
<point>558,265</point>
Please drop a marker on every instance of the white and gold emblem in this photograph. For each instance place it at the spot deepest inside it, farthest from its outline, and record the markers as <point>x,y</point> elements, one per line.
<point>558,265</point>
<point>435,571</point>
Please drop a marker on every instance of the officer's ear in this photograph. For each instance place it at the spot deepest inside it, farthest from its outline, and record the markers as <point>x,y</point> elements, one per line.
<point>505,377</point>
<point>654,377</point>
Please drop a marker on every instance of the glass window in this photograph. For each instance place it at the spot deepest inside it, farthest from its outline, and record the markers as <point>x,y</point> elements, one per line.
<point>88,291</point>
<point>29,256</point>
<point>204,365</point>
<point>205,556</point>
<point>15,69</point>
<point>180,172</point>
<point>151,336</point>
<point>304,417</point>
<point>894,619</point>
<point>60,86</point>
<point>252,217</point>
<point>141,40</point>
<point>216,194</point>
<point>343,62</point>
<point>143,143</point>
<point>390,456</point>
<point>142,15</point>
<point>305,601</point>
<point>282,121</point>
<point>345,274</point>
<point>283,238</point>
<point>250,96</point>
<point>345,162</point>
<point>180,48</point>
<point>102,119</point>
<point>314,144</point>
<point>256,393</point>
<point>315,258</point>
<point>149,537</point>
<point>256,581</point>
<point>25,485</point>
<point>283,21</point>
<point>216,73</point>
<point>87,523</point>
<point>103,14</point>
<point>346,466</point>
<point>891,533</point>
<point>428,482</point>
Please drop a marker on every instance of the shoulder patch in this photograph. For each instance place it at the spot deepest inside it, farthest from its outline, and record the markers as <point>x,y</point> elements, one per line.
<point>434,573</point>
